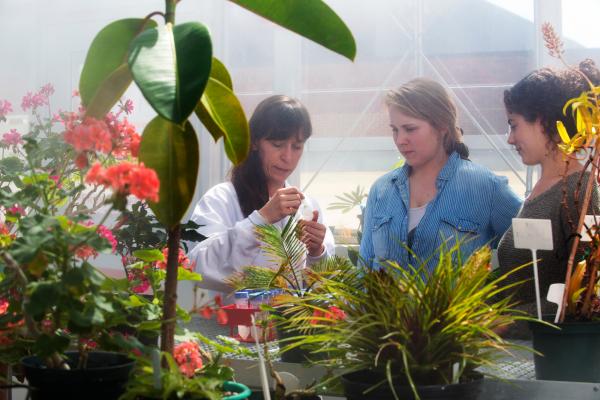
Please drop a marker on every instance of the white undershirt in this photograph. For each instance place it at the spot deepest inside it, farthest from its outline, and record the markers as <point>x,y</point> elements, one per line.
<point>415,215</point>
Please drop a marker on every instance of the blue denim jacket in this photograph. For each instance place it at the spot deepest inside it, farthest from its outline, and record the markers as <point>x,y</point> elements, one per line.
<point>472,204</point>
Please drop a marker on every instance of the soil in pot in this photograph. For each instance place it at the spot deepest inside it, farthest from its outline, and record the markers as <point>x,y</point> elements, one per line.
<point>357,386</point>
<point>569,354</point>
<point>103,379</point>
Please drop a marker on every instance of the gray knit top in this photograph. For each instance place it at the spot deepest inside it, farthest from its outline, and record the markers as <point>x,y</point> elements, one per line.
<point>553,264</point>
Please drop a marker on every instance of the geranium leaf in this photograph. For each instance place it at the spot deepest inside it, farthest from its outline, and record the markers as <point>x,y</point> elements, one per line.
<point>104,62</point>
<point>171,65</point>
<point>312,19</point>
<point>223,116</point>
<point>172,151</point>
<point>42,295</point>
<point>149,255</point>
<point>186,275</point>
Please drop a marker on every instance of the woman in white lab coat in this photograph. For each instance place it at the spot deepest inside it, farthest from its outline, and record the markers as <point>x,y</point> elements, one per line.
<point>257,194</point>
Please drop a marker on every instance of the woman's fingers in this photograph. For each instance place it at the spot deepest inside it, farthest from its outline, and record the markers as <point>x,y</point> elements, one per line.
<point>313,228</point>
<point>286,201</point>
<point>291,190</point>
<point>313,234</point>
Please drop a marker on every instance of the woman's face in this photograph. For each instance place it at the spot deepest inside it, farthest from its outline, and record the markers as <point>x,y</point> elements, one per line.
<point>279,158</point>
<point>529,138</point>
<point>417,140</point>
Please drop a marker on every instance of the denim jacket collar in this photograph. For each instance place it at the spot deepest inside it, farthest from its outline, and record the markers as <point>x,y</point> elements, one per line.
<point>401,175</point>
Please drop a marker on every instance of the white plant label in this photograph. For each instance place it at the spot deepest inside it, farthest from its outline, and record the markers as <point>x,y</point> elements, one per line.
<point>555,295</point>
<point>532,233</point>
<point>590,220</point>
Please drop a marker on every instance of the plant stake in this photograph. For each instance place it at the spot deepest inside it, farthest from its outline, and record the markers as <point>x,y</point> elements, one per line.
<point>261,363</point>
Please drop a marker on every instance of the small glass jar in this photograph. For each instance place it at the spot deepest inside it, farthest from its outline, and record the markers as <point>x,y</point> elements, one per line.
<point>241,299</point>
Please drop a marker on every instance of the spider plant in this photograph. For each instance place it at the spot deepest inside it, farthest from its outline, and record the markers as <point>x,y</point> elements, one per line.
<point>410,325</point>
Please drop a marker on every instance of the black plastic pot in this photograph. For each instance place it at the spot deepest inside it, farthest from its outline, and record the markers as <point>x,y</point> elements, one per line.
<point>569,354</point>
<point>104,378</point>
<point>359,386</point>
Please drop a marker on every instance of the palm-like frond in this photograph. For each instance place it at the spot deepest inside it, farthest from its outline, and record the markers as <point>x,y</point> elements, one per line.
<point>347,201</point>
<point>255,277</point>
<point>283,246</point>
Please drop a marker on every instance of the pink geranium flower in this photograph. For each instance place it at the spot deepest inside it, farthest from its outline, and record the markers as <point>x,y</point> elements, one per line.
<point>126,178</point>
<point>91,135</point>
<point>5,108</point>
<point>16,209</point>
<point>182,260</point>
<point>107,234</point>
<point>12,138</point>
<point>4,306</point>
<point>33,100</point>
<point>187,355</point>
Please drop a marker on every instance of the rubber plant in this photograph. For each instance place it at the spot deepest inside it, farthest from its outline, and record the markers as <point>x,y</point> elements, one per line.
<point>173,66</point>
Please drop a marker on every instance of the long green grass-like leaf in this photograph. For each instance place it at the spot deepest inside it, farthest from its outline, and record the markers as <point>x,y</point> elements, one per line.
<point>413,321</point>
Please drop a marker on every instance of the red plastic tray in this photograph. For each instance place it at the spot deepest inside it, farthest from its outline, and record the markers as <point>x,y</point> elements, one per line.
<point>243,316</point>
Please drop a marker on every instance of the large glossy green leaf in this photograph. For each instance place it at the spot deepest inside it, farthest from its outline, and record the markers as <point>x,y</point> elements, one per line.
<point>219,72</point>
<point>171,66</point>
<point>223,116</point>
<point>109,92</point>
<point>312,19</point>
<point>172,151</point>
<point>103,70</point>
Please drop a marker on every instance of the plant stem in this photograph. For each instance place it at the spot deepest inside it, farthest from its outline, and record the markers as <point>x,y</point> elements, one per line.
<point>170,11</point>
<point>582,212</point>
<point>167,339</point>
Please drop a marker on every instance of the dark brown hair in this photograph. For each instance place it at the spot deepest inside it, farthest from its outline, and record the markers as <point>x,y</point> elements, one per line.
<point>427,100</point>
<point>543,93</point>
<point>275,118</point>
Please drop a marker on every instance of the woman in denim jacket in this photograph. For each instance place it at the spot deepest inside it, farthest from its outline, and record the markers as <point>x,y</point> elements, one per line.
<point>438,195</point>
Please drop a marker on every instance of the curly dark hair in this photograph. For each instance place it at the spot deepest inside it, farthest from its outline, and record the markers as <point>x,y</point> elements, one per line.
<point>543,93</point>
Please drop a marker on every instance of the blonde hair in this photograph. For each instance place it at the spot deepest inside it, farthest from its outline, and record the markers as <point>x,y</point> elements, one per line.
<point>426,99</point>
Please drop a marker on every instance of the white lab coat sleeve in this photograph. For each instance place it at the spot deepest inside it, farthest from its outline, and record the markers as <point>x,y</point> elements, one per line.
<point>230,244</point>
<point>328,242</point>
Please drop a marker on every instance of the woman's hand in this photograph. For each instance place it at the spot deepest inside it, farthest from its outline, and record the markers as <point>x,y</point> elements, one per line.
<point>313,235</point>
<point>284,202</point>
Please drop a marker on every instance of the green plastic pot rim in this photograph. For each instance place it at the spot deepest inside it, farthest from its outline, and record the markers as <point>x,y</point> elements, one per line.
<point>242,391</point>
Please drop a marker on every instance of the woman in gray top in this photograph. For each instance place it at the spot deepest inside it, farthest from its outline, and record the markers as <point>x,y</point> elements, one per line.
<point>533,106</point>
